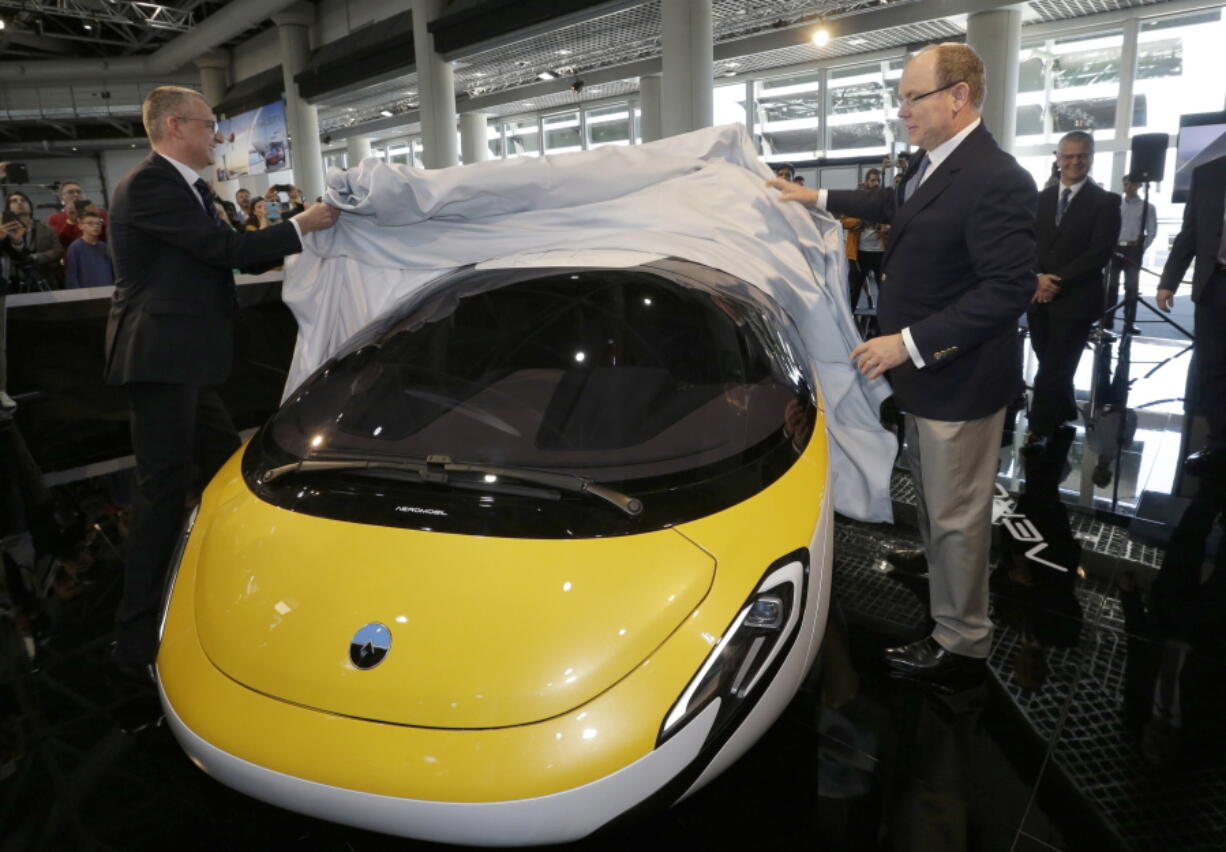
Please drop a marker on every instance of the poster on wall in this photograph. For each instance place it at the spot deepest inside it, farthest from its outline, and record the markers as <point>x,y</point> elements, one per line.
<point>253,142</point>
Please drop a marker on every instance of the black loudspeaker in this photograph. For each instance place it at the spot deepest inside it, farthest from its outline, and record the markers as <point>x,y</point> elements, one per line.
<point>1149,157</point>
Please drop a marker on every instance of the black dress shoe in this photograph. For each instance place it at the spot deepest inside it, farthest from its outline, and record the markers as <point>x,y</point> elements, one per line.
<point>928,660</point>
<point>1209,461</point>
<point>908,560</point>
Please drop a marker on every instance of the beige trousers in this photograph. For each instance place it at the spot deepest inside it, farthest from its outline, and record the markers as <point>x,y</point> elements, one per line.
<point>954,466</point>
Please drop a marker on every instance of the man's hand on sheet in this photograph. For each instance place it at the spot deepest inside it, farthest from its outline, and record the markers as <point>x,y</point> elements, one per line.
<point>789,191</point>
<point>317,217</point>
<point>873,357</point>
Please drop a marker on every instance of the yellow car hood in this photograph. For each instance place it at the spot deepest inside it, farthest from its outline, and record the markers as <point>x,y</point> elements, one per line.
<point>485,632</point>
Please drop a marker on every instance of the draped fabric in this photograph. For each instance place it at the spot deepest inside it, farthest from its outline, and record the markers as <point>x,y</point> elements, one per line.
<point>700,196</point>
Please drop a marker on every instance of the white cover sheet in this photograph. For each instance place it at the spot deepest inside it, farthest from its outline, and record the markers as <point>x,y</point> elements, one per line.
<point>700,196</point>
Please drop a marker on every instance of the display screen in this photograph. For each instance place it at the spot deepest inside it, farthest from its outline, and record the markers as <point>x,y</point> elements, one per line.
<point>1202,137</point>
<point>253,142</point>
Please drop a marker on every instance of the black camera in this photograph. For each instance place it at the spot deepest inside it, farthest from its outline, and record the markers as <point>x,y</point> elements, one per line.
<point>15,173</point>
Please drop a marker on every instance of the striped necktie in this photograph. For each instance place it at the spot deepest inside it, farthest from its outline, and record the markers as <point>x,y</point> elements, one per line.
<point>916,179</point>
<point>206,195</point>
<point>1064,200</point>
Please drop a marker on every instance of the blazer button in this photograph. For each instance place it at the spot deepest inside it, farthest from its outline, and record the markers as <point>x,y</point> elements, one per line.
<point>884,276</point>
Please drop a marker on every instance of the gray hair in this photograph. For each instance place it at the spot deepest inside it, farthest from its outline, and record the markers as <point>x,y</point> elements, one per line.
<point>162,102</point>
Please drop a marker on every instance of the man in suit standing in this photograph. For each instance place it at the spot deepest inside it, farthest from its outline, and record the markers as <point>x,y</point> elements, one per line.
<point>170,338</point>
<point>955,278</point>
<point>1078,227</point>
<point>1203,237</point>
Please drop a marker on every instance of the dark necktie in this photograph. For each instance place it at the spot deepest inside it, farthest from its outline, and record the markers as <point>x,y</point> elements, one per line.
<point>1063,208</point>
<point>206,195</point>
<point>914,184</point>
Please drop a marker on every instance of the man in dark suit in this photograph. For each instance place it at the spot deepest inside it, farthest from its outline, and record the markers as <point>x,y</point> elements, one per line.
<point>957,275</point>
<point>1078,226</point>
<point>1203,237</point>
<point>170,337</point>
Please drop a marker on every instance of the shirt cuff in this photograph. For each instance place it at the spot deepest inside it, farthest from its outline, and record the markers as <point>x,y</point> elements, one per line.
<point>820,204</point>
<point>912,349</point>
<point>297,228</point>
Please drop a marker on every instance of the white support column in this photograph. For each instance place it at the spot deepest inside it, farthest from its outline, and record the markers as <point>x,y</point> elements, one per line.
<point>293,30</point>
<point>474,137</point>
<point>358,149</point>
<point>436,88</point>
<point>689,66</point>
<point>997,37</point>
<point>649,95</point>
<point>1123,108</point>
<point>213,67</point>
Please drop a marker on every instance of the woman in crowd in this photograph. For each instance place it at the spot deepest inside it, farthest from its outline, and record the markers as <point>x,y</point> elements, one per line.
<point>258,220</point>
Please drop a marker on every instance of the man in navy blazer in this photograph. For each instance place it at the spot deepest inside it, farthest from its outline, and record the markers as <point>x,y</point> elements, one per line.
<point>1203,237</point>
<point>1078,226</point>
<point>170,338</point>
<point>957,275</point>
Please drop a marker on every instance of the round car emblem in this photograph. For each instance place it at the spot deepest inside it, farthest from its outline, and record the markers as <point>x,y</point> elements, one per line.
<point>370,645</point>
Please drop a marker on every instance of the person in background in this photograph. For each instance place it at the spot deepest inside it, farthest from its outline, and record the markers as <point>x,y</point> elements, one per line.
<point>89,262</point>
<point>242,200</point>
<point>1202,238</point>
<point>1078,224</point>
<point>258,218</point>
<point>38,254</point>
<point>1130,249</point>
<point>64,222</point>
<point>870,249</point>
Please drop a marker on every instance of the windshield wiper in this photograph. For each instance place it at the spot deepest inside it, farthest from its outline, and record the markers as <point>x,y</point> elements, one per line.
<point>438,469</point>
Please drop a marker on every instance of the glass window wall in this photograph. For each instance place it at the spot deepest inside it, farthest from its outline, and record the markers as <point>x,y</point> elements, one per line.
<point>562,133</point>
<point>608,125</point>
<point>787,116</point>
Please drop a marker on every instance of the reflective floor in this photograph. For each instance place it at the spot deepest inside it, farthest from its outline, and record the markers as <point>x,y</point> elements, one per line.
<point>1096,725</point>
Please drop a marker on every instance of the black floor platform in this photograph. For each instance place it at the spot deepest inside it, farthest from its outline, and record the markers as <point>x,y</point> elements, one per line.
<point>1067,742</point>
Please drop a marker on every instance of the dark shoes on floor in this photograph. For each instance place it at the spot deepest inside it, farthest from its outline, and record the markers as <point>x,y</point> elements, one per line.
<point>1207,462</point>
<point>928,660</point>
<point>909,561</point>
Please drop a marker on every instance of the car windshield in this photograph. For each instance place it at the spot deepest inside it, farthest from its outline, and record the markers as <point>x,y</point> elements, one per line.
<point>654,376</point>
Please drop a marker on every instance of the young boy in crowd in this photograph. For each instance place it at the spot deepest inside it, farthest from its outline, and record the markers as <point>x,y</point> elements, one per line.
<point>88,263</point>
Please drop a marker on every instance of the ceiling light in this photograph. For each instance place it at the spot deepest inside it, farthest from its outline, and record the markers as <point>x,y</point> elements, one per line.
<point>821,37</point>
<point>565,52</point>
<point>386,113</point>
<point>1,23</point>
<point>732,65</point>
<point>857,41</point>
<point>88,26</point>
<point>546,75</point>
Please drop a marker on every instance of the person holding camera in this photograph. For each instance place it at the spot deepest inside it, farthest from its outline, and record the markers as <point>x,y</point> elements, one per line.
<point>170,339</point>
<point>37,253</point>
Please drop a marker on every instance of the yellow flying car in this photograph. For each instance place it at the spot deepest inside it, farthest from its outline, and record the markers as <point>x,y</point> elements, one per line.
<point>536,549</point>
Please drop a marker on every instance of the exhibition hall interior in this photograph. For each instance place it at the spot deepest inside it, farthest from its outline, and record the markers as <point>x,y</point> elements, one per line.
<point>602,424</point>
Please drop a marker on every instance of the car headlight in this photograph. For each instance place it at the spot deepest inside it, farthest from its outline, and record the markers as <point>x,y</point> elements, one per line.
<point>752,646</point>
<point>172,572</point>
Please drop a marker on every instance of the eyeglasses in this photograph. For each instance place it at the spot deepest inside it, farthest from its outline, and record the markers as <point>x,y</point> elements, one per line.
<point>210,122</point>
<point>1070,157</point>
<point>914,99</point>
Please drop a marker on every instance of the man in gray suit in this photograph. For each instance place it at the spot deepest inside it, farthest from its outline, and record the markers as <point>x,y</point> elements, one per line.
<point>957,275</point>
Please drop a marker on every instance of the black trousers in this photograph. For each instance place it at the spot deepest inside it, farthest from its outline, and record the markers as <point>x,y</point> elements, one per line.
<point>181,436</point>
<point>1210,350</point>
<point>1126,264</point>
<point>1058,343</point>
<point>858,270</point>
